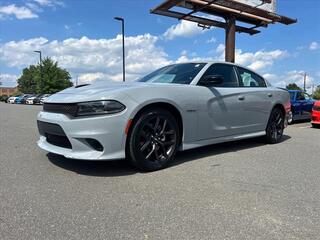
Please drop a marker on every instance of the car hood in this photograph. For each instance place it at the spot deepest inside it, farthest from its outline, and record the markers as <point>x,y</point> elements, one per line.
<point>99,87</point>
<point>94,91</point>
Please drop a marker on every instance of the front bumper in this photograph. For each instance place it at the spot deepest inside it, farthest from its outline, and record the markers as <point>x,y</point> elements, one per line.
<point>108,130</point>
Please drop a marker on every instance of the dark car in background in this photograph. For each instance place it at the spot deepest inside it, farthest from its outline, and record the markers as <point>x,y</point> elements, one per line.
<point>38,99</point>
<point>301,106</point>
<point>4,98</point>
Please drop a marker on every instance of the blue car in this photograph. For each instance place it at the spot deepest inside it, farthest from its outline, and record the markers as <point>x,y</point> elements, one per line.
<point>301,105</point>
<point>21,99</point>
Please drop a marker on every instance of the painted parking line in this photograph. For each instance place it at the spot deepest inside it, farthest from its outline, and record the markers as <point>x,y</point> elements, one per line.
<point>305,127</point>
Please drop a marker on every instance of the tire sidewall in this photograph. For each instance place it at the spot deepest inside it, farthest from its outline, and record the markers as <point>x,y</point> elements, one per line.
<point>269,135</point>
<point>135,155</point>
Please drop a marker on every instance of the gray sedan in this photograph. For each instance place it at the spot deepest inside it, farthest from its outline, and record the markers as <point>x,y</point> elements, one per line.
<point>177,107</point>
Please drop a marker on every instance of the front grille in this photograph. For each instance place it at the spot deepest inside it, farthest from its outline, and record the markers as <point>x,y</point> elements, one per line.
<point>64,108</point>
<point>54,134</point>
<point>316,108</point>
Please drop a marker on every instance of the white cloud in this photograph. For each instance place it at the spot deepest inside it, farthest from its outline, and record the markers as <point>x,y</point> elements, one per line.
<point>49,3</point>
<point>8,80</point>
<point>314,46</point>
<point>90,56</point>
<point>29,10</point>
<point>183,29</point>
<point>212,40</point>
<point>220,49</point>
<point>97,59</point>
<point>19,12</point>
<point>294,76</point>
<point>257,61</point>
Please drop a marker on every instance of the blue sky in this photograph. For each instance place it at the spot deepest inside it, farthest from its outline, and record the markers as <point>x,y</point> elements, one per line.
<point>83,37</point>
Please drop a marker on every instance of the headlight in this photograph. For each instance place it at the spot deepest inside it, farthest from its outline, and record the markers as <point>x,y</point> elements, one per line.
<point>99,107</point>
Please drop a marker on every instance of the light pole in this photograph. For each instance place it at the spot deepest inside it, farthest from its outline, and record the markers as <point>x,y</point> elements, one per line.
<point>304,80</point>
<point>123,54</point>
<point>40,69</point>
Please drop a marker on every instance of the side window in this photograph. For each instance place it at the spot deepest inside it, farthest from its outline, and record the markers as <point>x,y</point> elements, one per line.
<point>250,79</point>
<point>224,70</point>
<point>307,96</point>
<point>300,96</point>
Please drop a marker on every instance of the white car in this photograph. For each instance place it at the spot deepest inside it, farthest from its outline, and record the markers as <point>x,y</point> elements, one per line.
<point>12,99</point>
<point>177,107</point>
<point>30,100</point>
<point>43,98</point>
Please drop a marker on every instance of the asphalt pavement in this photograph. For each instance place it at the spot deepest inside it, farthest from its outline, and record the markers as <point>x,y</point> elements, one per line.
<point>239,190</point>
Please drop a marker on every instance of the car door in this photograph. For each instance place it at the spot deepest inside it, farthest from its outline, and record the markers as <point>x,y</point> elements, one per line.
<point>302,106</point>
<point>295,105</point>
<point>258,100</point>
<point>307,106</point>
<point>220,106</point>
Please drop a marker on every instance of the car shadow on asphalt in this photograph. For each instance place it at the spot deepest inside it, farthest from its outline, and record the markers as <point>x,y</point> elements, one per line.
<point>93,168</point>
<point>123,167</point>
<point>221,148</point>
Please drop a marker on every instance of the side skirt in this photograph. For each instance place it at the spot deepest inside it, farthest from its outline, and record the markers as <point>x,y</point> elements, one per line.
<point>201,143</point>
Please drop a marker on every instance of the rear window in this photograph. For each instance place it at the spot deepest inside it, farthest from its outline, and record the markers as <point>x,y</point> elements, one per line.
<point>250,79</point>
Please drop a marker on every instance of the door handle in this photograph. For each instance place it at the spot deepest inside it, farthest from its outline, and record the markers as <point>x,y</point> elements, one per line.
<point>269,94</point>
<point>241,98</point>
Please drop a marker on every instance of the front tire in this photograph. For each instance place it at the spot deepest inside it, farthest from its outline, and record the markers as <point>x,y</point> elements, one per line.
<point>275,127</point>
<point>290,118</point>
<point>154,140</point>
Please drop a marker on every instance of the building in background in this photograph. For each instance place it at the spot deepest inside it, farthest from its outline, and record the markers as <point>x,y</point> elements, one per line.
<point>8,90</point>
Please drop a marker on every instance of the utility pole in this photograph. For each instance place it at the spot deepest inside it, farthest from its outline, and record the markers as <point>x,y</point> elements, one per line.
<point>230,39</point>
<point>41,80</point>
<point>123,53</point>
<point>304,81</point>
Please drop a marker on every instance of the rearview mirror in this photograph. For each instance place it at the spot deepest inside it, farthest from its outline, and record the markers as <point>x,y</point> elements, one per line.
<point>211,80</point>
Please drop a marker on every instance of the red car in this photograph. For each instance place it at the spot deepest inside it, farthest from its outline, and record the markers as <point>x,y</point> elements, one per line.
<point>315,120</point>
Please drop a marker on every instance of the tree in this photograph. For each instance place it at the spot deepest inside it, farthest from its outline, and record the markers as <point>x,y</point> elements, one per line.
<point>316,94</point>
<point>45,78</point>
<point>27,82</point>
<point>293,86</point>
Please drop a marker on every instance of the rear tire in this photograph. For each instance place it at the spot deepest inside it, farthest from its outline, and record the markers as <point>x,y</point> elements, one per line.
<point>153,140</point>
<point>275,127</point>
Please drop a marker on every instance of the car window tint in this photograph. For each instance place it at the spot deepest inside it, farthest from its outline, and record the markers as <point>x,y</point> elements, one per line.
<point>182,73</point>
<point>300,96</point>
<point>250,79</point>
<point>224,70</point>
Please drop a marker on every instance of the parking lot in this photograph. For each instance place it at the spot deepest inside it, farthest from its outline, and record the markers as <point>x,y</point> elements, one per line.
<point>239,190</point>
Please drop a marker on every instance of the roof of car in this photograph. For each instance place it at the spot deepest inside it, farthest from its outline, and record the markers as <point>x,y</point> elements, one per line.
<point>222,62</point>
<point>295,90</point>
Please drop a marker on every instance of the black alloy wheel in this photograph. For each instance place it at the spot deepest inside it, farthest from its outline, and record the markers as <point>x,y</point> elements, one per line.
<point>154,140</point>
<point>275,127</point>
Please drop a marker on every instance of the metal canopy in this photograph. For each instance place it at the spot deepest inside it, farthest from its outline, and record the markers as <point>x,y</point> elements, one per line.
<point>230,10</point>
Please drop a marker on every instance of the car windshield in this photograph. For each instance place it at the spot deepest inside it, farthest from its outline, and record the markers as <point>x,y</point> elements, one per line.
<point>182,73</point>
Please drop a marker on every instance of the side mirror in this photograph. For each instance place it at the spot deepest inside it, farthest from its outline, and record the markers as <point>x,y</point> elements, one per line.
<point>211,80</point>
